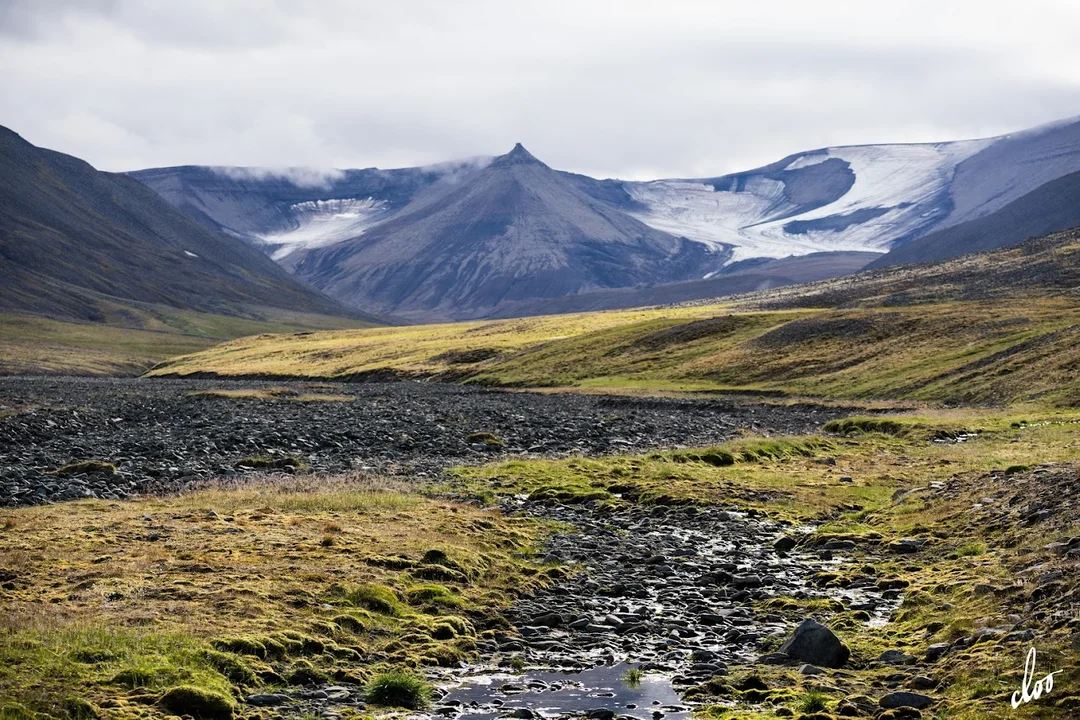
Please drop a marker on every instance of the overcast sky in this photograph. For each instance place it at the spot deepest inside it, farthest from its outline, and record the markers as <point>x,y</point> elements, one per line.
<point>609,88</point>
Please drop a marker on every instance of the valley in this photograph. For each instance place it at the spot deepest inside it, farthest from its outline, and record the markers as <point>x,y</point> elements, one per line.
<point>539,361</point>
<point>986,329</point>
<point>492,545</point>
<point>851,498</point>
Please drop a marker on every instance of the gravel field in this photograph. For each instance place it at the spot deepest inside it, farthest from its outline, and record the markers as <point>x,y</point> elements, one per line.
<point>160,437</point>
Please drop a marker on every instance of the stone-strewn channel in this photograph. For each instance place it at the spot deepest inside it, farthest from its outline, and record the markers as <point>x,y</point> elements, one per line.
<point>668,590</point>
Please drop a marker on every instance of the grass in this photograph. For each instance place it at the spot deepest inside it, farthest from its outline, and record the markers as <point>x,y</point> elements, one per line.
<point>782,477</point>
<point>31,345</point>
<point>238,592</point>
<point>1011,350</point>
<point>906,482</point>
<point>85,466</point>
<point>421,350</point>
<point>398,689</point>
<point>130,340</point>
<point>999,328</point>
<point>272,393</point>
<point>813,701</point>
<point>633,677</point>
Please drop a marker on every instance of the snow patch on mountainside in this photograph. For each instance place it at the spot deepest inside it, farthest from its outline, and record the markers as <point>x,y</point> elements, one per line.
<point>324,222</point>
<point>898,189</point>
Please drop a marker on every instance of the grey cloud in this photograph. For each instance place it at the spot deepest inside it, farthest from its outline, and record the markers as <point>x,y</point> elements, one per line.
<point>610,87</point>
<point>299,176</point>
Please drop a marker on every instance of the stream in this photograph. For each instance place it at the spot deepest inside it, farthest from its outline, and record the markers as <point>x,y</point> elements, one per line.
<point>665,590</point>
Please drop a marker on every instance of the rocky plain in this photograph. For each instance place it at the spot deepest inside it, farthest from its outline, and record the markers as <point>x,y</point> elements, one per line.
<point>660,610</point>
<point>154,436</point>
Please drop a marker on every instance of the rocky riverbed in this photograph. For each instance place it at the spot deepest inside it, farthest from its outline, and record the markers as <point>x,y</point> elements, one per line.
<point>163,435</point>
<point>672,592</point>
<point>667,591</point>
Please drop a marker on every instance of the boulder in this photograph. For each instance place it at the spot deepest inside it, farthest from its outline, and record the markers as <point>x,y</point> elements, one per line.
<point>816,644</point>
<point>936,650</point>
<point>896,657</point>
<point>903,698</point>
<point>784,544</point>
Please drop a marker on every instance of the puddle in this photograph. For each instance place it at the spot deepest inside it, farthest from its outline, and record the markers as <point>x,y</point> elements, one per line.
<point>550,693</point>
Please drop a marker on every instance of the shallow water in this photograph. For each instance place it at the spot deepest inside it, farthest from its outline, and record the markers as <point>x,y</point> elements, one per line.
<point>551,692</point>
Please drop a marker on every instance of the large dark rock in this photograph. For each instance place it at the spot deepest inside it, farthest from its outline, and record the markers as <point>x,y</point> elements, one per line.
<point>906,699</point>
<point>816,644</point>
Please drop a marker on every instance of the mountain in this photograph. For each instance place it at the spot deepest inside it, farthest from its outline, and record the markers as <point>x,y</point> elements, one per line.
<point>865,197</point>
<point>846,199</point>
<point>1049,208</point>
<point>74,240</point>
<point>742,277</point>
<point>287,209</point>
<point>514,230</point>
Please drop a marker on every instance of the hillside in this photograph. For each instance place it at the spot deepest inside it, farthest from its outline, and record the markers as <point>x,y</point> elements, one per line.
<point>74,240</point>
<point>1049,208</point>
<point>1001,327</point>
<point>806,207</point>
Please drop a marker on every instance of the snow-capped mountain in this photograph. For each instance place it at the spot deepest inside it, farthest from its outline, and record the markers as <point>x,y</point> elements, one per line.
<point>867,198</point>
<point>513,231</point>
<point>857,198</point>
<point>284,209</point>
<point>847,198</point>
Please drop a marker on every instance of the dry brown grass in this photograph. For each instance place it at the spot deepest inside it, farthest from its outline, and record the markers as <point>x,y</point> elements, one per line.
<point>155,581</point>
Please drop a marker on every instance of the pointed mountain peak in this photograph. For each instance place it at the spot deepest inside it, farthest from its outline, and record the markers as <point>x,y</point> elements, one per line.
<point>518,156</point>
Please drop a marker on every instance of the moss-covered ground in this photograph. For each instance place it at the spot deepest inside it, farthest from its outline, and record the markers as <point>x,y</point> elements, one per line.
<point>109,607</point>
<point>988,496</point>
<point>1006,351</point>
<point>122,610</point>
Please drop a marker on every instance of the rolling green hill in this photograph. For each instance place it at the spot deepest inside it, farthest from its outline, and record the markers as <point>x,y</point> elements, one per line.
<point>999,327</point>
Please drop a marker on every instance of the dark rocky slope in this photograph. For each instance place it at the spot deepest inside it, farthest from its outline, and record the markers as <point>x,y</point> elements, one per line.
<point>1050,208</point>
<point>71,236</point>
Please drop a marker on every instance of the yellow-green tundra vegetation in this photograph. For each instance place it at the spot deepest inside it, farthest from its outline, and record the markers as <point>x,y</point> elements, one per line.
<point>110,607</point>
<point>180,605</point>
<point>990,496</point>
<point>1001,327</point>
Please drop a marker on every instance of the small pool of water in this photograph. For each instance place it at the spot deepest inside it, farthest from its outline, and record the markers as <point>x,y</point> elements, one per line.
<point>550,693</point>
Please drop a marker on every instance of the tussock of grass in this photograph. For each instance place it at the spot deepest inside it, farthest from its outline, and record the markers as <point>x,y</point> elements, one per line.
<point>398,689</point>
<point>377,598</point>
<point>971,549</point>
<point>848,426</point>
<point>812,701</point>
<point>261,462</point>
<point>485,438</point>
<point>85,466</point>
<point>435,595</point>
<point>633,677</point>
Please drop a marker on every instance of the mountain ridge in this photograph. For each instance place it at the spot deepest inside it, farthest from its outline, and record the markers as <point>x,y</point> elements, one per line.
<point>512,230</point>
<point>74,239</point>
<point>838,199</point>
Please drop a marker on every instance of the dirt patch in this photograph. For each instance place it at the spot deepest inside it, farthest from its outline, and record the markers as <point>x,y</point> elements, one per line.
<point>814,329</point>
<point>466,357</point>
<point>689,332</point>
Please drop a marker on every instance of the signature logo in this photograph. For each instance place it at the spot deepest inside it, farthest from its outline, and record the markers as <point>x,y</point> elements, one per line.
<point>1032,689</point>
